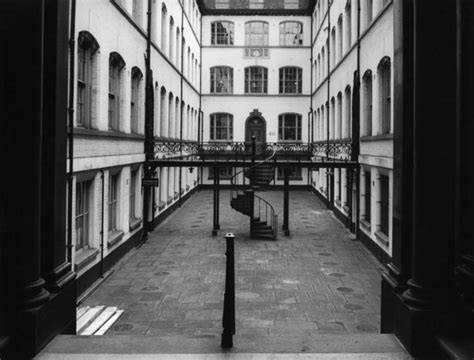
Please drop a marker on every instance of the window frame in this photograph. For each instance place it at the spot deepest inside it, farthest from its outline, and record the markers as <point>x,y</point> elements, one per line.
<point>284,32</point>
<point>283,128</point>
<point>84,216</point>
<point>214,80</point>
<point>248,79</point>
<point>251,36</point>
<point>214,129</point>
<point>112,203</point>
<point>116,65</point>
<point>135,99</point>
<point>385,97</point>
<point>283,74</point>
<point>384,223</point>
<point>229,35</point>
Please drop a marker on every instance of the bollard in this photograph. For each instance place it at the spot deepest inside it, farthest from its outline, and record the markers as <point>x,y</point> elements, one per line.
<point>228,318</point>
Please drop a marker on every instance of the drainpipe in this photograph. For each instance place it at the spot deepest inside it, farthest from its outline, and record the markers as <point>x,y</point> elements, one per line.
<point>181,107</point>
<point>149,133</point>
<point>331,171</point>
<point>72,61</point>
<point>102,227</point>
<point>356,130</point>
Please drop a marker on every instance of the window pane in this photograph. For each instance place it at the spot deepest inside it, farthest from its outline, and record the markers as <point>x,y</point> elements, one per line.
<point>291,33</point>
<point>256,33</point>
<point>222,33</point>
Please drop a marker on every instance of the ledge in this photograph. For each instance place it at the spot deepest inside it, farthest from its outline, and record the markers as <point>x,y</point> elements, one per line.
<point>86,257</point>
<point>365,224</point>
<point>383,238</point>
<point>78,131</point>
<point>135,223</point>
<point>377,137</point>
<point>114,237</point>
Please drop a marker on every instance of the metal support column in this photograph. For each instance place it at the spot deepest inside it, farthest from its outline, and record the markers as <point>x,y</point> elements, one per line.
<point>216,225</point>
<point>286,201</point>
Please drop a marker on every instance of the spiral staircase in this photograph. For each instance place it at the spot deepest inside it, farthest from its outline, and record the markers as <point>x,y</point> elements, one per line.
<point>263,220</point>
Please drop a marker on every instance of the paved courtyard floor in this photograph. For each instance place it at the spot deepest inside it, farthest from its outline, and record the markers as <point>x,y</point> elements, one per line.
<point>316,281</point>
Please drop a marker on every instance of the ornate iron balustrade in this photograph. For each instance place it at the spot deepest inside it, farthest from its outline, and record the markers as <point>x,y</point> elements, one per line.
<point>332,150</point>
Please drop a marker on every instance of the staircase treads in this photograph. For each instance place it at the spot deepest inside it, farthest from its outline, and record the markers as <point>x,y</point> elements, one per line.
<point>96,320</point>
<point>354,344</point>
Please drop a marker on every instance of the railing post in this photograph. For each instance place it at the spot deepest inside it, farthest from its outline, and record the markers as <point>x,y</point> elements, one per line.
<point>286,201</point>
<point>228,318</point>
<point>254,149</point>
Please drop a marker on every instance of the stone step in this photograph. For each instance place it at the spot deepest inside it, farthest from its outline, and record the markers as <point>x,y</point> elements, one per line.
<point>305,347</point>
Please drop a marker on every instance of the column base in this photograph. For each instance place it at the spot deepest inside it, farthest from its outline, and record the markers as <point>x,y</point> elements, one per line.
<point>35,328</point>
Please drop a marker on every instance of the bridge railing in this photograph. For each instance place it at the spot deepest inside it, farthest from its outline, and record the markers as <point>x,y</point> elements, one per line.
<point>339,150</point>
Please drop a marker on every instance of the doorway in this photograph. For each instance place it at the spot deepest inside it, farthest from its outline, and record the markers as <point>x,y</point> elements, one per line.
<point>256,126</point>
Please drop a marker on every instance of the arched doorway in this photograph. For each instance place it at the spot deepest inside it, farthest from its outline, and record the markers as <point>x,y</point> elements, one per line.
<point>255,125</point>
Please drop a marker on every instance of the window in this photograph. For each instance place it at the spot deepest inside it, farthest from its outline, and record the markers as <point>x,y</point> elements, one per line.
<point>332,51</point>
<point>367,103</point>
<point>224,173</point>
<point>135,99</point>
<point>348,23</point>
<point>113,191</point>
<point>82,215</point>
<point>256,4</point>
<point>222,33</point>
<point>291,33</point>
<point>291,4</point>
<point>222,4</point>
<point>289,127</point>
<point>295,173</point>
<point>87,47</point>
<point>133,198</point>
<point>256,33</point>
<point>347,130</point>
<point>171,39</point>
<point>339,39</point>
<point>368,12</point>
<point>338,129</point>
<point>222,79</point>
<point>116,65</point>
<point>164,25</point>
<point>385,100</point>
<point>384,203</point>
<point>290,80</point>
<point>256,79</point>
<point>367,196</point>
<point>137,11</point>
<point>221,126</point>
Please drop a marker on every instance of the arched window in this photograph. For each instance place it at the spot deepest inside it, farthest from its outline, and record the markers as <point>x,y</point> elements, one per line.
<point>163,107</point>
<point>171,39</point>
<point>291,33</point>
<point>338,132</point>
<point>116,65</point>
<point>367,102</point>
<point>333,47</point>
<point>368,12</point>
<point>137,11</point>
<point>291,80</point>
<point>221,127</point>
<point>347,128</point>
<point>348,26</point>
<point>178,48</point>
<point>339,38</point>
<point>256,33</point>
<point>385,99</point>
<point>222,79</point>
<point>170,132</point>
<point>135,99</point>
<point>289,127</point>
<point>86,66</point>
<point>164,25</point>
<point>222,33</point>
<point>256,80</point>
<point>332,122</point>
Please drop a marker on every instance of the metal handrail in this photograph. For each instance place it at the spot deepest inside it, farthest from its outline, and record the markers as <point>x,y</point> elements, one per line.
<point>235,188</point>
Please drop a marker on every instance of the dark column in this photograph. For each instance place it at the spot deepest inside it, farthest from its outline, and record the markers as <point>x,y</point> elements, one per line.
<point>286,201</point>
<point>465,173</point>
<point>394,279</point>
<point>21,183</point>
<point>55,268</point>
<point>427,298</point>
<point>216,225</point>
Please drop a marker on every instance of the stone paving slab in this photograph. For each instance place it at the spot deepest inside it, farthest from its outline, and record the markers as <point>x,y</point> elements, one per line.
<point>316,281</point>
